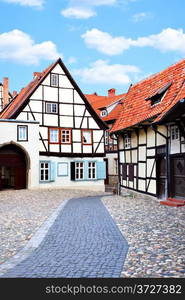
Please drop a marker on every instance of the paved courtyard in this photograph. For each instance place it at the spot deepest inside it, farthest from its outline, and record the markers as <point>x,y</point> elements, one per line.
<point>82,242</point>
<point>90,242</point>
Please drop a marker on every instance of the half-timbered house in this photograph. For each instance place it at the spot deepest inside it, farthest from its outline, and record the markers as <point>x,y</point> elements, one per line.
<point>151,135</point>
<point>71,134</point>
<point>108,108</point>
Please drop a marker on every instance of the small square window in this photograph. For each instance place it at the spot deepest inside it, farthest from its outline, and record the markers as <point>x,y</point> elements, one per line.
<point>51,108</point>
<point>86,137</point>
<point>53,135</point>
<point>22,133</point>
<point>55,80</point>
<point>65,136</point>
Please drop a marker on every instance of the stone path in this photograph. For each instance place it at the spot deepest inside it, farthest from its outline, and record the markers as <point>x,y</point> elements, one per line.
<point>22,212</point>
<point>83,241</point>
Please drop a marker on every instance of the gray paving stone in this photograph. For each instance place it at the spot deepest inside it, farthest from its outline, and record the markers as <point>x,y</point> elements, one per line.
<point>83,241</point>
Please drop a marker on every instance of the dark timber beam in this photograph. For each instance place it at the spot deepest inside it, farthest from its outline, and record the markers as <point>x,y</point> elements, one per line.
<point>154,127</point>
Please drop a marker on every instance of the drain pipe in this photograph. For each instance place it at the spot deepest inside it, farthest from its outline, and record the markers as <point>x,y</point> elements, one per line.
<point>154,127</point>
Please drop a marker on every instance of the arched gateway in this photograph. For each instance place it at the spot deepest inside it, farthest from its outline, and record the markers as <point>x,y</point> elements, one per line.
<point>13,167</point>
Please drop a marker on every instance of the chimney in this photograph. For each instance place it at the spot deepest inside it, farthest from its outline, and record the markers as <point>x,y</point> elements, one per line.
<point>111,92</point>
<point>5,91</point>
<point>14,94</point>
<point>36,74</point>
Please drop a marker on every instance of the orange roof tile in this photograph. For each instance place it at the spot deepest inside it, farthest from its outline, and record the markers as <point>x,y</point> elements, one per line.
<point>137,108</point>
<point>99,102</point>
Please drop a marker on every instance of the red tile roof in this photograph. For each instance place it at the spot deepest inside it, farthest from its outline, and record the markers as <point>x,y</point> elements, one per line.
<point>100,102</point>
<point>137,108</point>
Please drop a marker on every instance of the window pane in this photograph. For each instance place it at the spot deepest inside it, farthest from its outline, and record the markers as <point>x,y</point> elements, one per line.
<point>86,137</point>
<point>54,138</point>
<point>44,171</point>
<point>54,79</point>
<point>22,133</point>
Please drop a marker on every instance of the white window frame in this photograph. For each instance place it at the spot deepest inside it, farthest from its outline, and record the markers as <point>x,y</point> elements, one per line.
<point>54,80</point>
<point>175,133</point>
<point>127,141</point>
<point>91,170</point>
<point>22,133</point>
<point>51,108</point>
<point>46,171</point>
<point>52,135</point>
<point>79,170</point>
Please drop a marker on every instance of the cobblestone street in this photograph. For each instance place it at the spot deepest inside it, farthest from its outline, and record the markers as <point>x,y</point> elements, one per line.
<point>84,240</point>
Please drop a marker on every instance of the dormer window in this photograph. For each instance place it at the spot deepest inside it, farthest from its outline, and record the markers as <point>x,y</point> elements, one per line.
<point>103,113</point>
<point>159,95</point>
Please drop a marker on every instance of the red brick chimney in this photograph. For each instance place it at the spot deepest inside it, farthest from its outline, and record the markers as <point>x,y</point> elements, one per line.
<point>111,92</point>
<point>14,94</point>
<point>5,91</point>
<point>37,74</point>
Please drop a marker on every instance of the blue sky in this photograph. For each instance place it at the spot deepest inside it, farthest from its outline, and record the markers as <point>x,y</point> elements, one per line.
<point>103,43</point>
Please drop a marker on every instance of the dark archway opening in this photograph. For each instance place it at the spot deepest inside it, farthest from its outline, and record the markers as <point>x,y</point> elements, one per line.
<point>13,168</point>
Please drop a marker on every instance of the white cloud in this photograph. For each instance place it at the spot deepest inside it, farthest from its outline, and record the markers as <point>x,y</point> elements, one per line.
<point>168,39</point>
<point>141,16</point>
<point>35,3</point>
<point>77,13</point>
<point>102,72</point>
<point>19,47</point>
<point>84,9</point>
<point>105,43</point>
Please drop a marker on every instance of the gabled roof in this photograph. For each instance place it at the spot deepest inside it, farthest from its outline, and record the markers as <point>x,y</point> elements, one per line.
<point>102,102</point>
<point>21,100</point>
<point>14,107</point>
<point>135,108</point>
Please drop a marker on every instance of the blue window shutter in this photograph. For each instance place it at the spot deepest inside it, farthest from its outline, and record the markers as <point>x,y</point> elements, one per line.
<point>52,171</point>
<point>101,170</point>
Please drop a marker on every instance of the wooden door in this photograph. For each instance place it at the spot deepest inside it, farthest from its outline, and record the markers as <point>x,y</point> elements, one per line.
<point>178,177</point>
<point>161,177</point>
<point>12,168</point>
